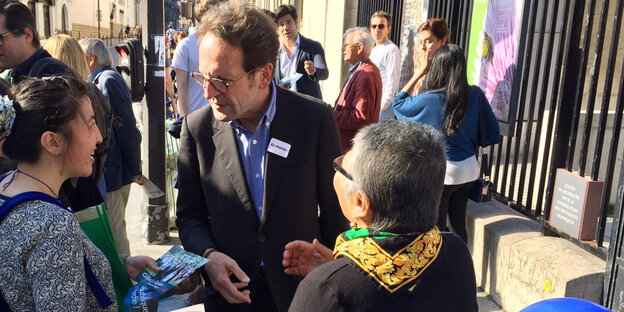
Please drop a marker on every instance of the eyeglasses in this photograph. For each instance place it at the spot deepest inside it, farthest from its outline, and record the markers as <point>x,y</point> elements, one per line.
<point>6,34</point>
<point>220,85</point>
<point>339,168</point>
<point>380,26</point>
<point>348,45</point>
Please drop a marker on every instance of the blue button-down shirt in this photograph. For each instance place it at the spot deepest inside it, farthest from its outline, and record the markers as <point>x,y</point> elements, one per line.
<point>252,147</point>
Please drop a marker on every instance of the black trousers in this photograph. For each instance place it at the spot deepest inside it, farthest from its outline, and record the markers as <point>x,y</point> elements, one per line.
<point>453,205</point>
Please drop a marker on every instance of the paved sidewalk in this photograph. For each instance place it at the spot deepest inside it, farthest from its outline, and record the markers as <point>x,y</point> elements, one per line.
<point>133,221</point>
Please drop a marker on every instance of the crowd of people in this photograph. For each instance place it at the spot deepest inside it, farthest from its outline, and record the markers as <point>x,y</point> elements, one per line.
<point>269,175</point>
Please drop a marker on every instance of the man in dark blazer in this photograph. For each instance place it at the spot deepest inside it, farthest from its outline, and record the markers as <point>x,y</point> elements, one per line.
<point>255,167</point>
<point>298,54</point>
<point>359,101</point>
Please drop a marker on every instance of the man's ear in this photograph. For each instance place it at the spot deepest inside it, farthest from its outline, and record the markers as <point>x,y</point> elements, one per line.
<point>360,49</point>
<point>52,143</point>
<point>361,211</point>
<point>29,34</point>
<point>266,75</point>
<point>90,59</point>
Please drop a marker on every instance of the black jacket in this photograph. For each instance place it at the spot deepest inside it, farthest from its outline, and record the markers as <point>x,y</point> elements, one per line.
<point>447,283</point>
<point>38,65</point>
<point>215,208</point>
<point>309,50</point>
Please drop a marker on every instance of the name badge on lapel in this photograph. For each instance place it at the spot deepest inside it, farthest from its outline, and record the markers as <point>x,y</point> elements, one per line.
<point>278,148</point>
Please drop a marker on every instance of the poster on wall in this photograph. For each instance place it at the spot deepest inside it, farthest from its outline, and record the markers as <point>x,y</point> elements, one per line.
<point>495,37</point>
<point>414,14</point>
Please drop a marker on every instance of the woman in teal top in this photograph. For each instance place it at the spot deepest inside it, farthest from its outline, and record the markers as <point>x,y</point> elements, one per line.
<point>450,105</point>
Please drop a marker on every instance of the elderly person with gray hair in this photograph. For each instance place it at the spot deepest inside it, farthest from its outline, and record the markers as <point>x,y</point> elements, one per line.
<point>359,101</point>
<point>123,160</point>
<point>394,257</point>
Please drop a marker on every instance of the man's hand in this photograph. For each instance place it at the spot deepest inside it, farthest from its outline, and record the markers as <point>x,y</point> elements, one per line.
<point>134,265</point>
<point>309,67</point>
<point>219,269</point>
<point>140,180</point>
<point>301,257</point>
<point>186,286</point>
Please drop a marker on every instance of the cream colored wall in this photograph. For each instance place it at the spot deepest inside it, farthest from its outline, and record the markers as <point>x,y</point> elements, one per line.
<point>323,21</point>
<point>85,12</point>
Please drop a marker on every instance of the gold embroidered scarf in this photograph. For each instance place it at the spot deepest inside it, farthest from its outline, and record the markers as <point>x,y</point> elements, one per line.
<point>391,271</point>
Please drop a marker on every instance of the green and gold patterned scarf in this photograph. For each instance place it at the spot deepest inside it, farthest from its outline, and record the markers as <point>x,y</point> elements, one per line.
<point>390,271</point>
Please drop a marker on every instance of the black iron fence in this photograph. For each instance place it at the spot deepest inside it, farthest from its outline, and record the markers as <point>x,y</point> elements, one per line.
<point>569,115</point>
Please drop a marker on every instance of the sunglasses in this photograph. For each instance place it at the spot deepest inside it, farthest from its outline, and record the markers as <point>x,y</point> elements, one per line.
<point>380,26</point>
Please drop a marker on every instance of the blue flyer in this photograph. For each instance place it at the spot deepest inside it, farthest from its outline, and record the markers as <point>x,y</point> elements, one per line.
<point>176,264</point>
<point>290,80</point>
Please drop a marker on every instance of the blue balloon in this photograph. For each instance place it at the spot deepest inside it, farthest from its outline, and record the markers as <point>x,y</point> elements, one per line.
<point>565,305</point>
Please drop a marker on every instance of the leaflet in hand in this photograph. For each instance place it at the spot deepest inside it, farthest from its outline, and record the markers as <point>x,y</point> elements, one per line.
<point>176,264</point>
<point>151,190</point>
<point>290,80</point>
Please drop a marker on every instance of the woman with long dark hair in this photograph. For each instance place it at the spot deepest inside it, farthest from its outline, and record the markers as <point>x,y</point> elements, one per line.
<point>450,105</point>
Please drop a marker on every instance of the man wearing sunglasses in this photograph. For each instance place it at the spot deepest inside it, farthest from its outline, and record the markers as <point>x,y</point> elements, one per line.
<point>254,167</point>
<point>387,57</point>
<point>21,53</point>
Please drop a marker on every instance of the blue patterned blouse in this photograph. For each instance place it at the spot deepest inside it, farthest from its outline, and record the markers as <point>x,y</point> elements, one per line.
<point>41,261</point>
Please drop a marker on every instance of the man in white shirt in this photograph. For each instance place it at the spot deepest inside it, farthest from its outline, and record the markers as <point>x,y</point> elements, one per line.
<point>387,57</point>
<point>185,61</point>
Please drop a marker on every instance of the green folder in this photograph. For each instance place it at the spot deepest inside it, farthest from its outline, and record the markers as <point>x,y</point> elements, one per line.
<point>94,222</point>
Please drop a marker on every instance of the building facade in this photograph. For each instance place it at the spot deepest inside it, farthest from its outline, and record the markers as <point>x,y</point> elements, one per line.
<point>84,18</point>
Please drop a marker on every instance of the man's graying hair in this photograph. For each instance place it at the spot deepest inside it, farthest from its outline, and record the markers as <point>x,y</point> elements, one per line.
<point>97,48</point>
<point>362,36</point>
<point>241,25</point>
<point>400,167</point>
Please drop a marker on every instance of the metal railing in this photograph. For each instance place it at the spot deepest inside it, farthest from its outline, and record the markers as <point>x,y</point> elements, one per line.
<point>556,104</point>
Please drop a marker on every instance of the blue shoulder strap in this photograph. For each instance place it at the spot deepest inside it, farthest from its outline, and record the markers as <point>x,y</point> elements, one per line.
<point>92,280</point>
<point>9,204</point>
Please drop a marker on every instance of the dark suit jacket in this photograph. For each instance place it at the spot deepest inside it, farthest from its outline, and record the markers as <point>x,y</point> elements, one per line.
<point>309,50</point>
<point>359,102</point>
<point>123,160</point>
<point>215,208</point>
<point>40,64</point>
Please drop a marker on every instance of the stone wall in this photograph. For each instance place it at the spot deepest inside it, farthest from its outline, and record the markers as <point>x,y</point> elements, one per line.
<point>80,31</point>
<point>518,266</point>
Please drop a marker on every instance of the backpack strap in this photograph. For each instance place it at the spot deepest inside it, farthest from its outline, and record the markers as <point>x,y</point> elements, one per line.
<point>12,202</point>
<point>92,281</point>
